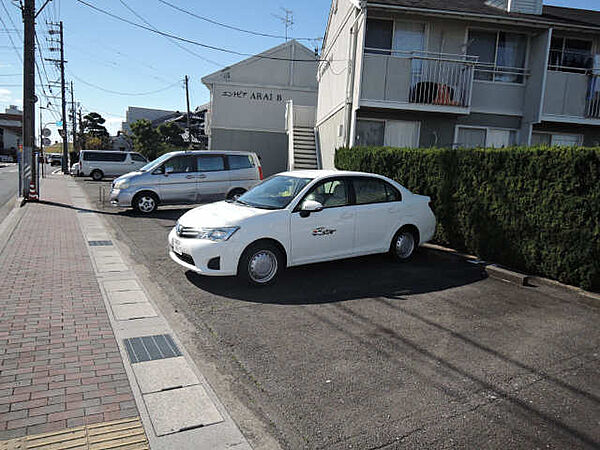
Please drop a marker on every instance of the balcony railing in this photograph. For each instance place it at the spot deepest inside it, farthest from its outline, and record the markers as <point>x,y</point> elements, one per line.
<point>592,107</point>
<point>423,78</point>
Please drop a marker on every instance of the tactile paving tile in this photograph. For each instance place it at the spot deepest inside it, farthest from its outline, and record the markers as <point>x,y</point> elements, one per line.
<point>125,434</point>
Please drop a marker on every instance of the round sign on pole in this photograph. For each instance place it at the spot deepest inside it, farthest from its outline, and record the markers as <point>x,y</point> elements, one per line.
<point>46,142</point>
<point>46,132</point>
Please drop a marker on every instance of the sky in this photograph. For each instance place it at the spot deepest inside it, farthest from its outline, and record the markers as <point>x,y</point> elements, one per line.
<point>114,65</point>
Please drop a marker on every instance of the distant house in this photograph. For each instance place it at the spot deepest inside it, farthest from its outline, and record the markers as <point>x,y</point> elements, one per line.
<point>134,113</point>
<point>11,131</point>
<point>121,142</point>
<point>248,103</point>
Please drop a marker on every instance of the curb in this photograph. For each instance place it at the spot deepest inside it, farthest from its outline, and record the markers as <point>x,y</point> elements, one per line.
<point>11,221</point>
<point>510,276</point>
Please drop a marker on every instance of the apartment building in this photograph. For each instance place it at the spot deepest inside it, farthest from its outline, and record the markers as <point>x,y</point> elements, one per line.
<point>421,73</point>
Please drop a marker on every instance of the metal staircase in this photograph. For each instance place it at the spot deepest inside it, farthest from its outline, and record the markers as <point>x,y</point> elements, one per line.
<point>302,142</point>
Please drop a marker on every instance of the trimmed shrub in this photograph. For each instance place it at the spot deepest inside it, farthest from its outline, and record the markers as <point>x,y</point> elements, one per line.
<point>535,209</point>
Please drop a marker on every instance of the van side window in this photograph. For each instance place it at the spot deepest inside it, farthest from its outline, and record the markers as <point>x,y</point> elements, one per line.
<point>210,163</point>
<point>181,164</point>
<point>138,157</point>
<point>104,156</point>
<point>237,162</point>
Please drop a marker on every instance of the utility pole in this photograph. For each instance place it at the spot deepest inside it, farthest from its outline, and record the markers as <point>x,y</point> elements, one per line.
<point>74,119</point>
<point>187,99</point>
<point>27,167</point>
<point>65,158</point>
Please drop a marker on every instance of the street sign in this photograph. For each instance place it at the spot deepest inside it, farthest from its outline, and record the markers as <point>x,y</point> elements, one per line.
<point>59,123</point>
<point>46,142</point>
<point>46,132</point>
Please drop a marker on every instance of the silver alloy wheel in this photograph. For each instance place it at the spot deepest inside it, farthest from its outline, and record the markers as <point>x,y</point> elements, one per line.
<point>262,267</point>
<point>405,244</point>
<point>146,203</point>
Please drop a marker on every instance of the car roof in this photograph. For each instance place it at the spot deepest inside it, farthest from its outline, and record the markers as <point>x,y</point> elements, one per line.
<point>211,152</point>
<point>322,173</point>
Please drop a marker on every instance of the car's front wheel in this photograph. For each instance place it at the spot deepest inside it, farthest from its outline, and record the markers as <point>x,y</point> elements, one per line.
<point>404,244</point>
<point>261,263</point>
<point>97,175</point>
<point>145,202</point>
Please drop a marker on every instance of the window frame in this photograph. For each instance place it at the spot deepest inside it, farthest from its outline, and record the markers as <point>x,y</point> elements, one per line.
<point>349,189</point>
<point>384,182</point>
<point>569,69</point>
<point>525,68</point>
<point>391,51</point>
<point>487,129</point>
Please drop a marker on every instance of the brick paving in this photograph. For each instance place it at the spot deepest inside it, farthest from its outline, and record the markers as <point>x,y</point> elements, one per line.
<point>60,366</point>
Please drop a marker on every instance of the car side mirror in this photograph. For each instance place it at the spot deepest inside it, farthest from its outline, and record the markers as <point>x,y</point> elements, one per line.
<point>310,206</point>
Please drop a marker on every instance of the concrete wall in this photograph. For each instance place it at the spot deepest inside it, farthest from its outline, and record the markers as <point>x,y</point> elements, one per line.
<point>271,147</point>
<point>329,138</point>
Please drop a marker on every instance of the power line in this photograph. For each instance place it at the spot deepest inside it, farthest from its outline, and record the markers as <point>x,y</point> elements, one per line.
<point>12,42</point>
<point>10,19</point>
<point>170,39</point>
<point>122,93</point>
<point>189,41</point>
<point>231,27</point>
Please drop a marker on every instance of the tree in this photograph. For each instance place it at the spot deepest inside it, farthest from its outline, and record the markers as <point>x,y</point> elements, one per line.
<point>170,134</point>
<point>146,139</point>
<point>93,143</point>
<point>93,127</point>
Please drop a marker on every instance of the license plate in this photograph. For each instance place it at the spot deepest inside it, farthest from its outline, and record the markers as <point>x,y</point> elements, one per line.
<point>177,246</point>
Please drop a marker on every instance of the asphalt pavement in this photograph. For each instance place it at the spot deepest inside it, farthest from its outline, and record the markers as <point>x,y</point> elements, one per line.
<point>369,354</point>
<point>9,186</point>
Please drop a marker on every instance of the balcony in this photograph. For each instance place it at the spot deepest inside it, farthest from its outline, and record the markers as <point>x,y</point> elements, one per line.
<point>572,97</point>
<point>418,81</point>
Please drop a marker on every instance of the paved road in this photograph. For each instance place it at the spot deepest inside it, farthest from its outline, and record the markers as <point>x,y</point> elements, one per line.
<point>366,354</point>
<point>9,186</point>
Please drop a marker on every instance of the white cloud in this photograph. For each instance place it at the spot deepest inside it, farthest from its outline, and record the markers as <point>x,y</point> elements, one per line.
<point>5,95</point>
<point>113,124</point>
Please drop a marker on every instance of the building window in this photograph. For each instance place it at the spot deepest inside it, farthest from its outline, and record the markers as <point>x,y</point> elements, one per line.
<point>501,55</point>
<point>556,139</point>
<point>391,133</point>
<point>379,36</point>
<point>478,137</point>
<point>370,133</point>
<point>570,55</point>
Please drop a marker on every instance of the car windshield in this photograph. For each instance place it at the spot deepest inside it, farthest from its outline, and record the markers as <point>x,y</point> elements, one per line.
<point>274,193</point>
<point>154,164</point>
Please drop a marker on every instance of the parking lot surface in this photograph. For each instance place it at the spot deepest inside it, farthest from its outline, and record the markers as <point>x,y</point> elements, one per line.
<point>368,354</point>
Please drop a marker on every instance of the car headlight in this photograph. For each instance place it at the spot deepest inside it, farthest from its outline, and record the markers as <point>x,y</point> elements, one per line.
<point>213,234</point>
<point>121,184</point>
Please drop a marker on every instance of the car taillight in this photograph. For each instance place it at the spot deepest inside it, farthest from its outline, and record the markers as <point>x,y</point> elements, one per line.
<point>260,172</point>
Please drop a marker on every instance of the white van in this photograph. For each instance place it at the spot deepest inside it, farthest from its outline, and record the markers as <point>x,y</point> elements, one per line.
<point>105,163</point>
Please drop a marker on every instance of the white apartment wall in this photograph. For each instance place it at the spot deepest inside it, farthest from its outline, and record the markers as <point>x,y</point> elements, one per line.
<point>333,70</point>
<point>331,137</point>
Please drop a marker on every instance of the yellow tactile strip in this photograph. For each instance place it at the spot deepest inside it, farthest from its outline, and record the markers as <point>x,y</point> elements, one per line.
<point>125,434</point>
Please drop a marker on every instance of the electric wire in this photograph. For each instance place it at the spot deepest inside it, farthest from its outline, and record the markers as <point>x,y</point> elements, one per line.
<point>170,39</point>
<point>231,27</point>
<point>189,41</point>
<point>11,41</point>
<point>122,93</point>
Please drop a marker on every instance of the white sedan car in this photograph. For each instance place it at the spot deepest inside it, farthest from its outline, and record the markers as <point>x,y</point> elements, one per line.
<point>301,217</point>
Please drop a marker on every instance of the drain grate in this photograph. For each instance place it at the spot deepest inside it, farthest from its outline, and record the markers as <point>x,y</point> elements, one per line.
<point>99,243</point>
<point>84,211</point>
<point>150,348</point>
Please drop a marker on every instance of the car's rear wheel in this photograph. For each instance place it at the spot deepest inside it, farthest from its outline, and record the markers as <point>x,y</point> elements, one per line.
<point>145,202</point>
<point>235,193</point>
<point>403,245</point>
<point>261,264</point>
<point>97,175</point>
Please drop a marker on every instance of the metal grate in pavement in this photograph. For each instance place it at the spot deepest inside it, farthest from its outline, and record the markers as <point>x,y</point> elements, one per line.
<point>99,243</point>
<point>84,211</point>
<point>125,434</point>
<point>150,348</point>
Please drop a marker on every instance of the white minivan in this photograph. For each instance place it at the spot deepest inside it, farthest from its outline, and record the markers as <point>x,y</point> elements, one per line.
<point>105,163</point>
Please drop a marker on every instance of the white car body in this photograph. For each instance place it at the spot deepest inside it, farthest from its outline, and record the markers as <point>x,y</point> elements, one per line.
<point>329,234</point>
<point>75,169</point>
<point>109,163</point>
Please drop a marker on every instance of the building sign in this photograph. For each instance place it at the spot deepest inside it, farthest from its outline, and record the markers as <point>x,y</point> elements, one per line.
<point>261,96</point>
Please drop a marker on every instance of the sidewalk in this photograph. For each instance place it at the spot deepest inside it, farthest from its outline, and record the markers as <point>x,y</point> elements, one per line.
<point>60,366</point>
<point>87,360</point>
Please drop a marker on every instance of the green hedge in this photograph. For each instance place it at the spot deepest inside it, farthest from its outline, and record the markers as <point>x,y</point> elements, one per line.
<point>532,209</point>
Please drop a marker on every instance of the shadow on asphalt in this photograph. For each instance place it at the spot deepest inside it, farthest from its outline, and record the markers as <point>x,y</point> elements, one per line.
<point>364,277</point>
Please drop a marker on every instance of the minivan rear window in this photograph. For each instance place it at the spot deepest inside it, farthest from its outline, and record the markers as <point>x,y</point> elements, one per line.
<point>104,156</point>
<point>137,157</point>
<point>240,162</point>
